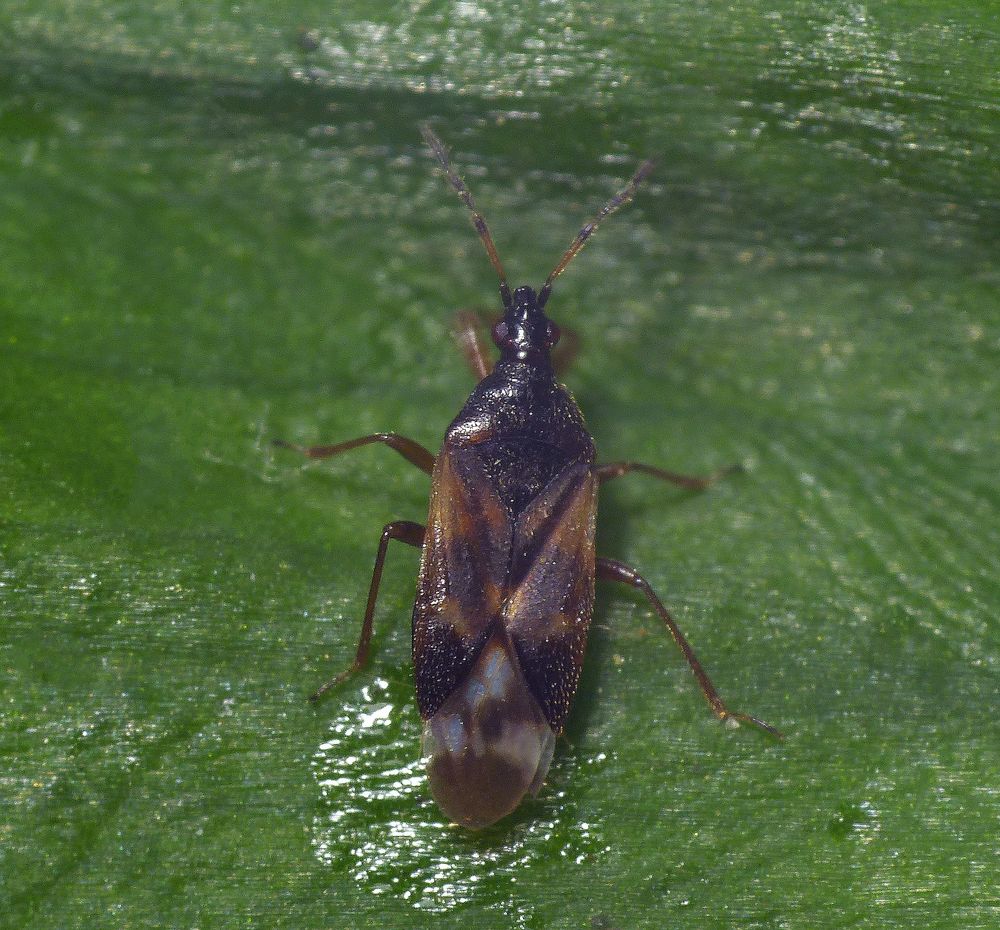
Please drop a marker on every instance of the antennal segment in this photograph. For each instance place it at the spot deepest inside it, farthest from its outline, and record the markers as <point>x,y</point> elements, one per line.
<point>619,200</point>
<point>437,147</point>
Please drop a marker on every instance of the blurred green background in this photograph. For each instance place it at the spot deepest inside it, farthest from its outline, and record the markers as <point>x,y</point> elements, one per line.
<point>218,226</point>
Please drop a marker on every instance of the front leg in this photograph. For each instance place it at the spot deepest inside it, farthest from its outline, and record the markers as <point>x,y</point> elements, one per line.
<point>467,328</point>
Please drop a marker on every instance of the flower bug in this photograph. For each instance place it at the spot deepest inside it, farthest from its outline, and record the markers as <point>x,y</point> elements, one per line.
<point>506,585</point>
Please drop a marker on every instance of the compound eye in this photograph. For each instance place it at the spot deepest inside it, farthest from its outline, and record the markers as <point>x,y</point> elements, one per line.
<point>500,334</point>
<point>552,335</point>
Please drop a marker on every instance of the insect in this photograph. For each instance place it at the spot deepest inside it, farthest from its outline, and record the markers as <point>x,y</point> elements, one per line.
<point>506,584</point>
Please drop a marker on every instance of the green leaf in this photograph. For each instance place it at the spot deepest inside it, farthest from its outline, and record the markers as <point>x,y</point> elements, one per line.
<point>219,226</point>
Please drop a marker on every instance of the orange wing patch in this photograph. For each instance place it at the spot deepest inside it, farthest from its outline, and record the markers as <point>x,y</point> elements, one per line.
<point>463,574</point>
<point>547,614</point>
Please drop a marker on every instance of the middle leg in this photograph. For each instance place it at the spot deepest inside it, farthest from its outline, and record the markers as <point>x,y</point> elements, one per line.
<point>412,451</point>
<point>691,482</point>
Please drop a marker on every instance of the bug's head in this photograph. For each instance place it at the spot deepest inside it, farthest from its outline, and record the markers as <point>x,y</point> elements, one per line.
<point>525,333</point>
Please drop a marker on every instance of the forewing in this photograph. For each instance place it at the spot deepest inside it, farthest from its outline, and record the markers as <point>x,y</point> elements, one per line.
<point>547,613</point>
<point>462,575</point>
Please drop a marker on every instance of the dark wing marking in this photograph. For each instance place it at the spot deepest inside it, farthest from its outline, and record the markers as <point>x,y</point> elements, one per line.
<point>463,574</point>
<point>552,588</point>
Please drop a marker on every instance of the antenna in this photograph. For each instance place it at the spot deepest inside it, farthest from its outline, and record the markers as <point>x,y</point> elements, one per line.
<point>619,200</point>
<point>437,147</point>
